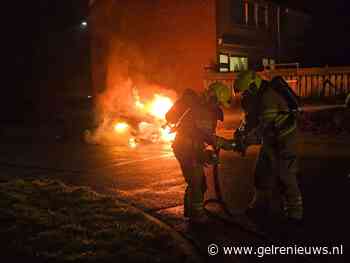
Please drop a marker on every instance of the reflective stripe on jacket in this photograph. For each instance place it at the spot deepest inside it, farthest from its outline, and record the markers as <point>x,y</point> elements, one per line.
<point>275,115</point>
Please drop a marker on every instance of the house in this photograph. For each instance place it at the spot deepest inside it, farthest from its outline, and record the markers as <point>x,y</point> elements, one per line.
<point>172,42</point>
<point>253,34</point>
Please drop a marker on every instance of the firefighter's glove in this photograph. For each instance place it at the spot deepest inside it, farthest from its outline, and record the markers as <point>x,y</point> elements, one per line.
<point>222,143</point>
<point>210,157</point>
<point>240,142</point>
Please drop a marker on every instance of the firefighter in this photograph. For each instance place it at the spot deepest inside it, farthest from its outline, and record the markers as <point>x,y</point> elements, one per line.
<point>268,112</point>
<point>195,119</point>
<point>347,101</point>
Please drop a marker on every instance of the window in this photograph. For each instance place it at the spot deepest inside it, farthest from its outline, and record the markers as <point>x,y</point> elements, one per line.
<point>265,62</point>
<point>267,17</point>
<point>223,63</point>
<point>246,7</point>
<point>272,18</point>
<point>268,63</point>
<point>251,14</point>
<point>238,63</point>
<point>262,10</point>
<point>237,11</point>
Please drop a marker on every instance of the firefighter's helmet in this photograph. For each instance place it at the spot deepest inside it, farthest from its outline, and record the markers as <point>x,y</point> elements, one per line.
<point>221,93</point>
<point>247,80</point>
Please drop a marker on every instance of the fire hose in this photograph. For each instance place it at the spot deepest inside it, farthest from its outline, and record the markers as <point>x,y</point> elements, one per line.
<point>217,189</point>
<point>239,144</point>
<point>219,200</point>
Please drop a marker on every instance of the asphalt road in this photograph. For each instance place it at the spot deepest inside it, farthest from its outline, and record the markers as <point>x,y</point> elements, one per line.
<point>149,177</point>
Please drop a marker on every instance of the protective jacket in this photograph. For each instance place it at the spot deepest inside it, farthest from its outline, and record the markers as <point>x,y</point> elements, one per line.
<point>269,112</point>
<point>195,118</point>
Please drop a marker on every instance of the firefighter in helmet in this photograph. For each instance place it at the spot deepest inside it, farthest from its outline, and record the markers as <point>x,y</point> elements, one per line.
<point>195,117</point>
<point>268,112</point>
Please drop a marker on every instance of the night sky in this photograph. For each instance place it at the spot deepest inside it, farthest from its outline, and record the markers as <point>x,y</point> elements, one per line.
<point>329,41</point>
<point>35,34</point>
<point>31,23</point>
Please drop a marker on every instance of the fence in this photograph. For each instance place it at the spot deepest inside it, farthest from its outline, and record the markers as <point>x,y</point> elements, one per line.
<point>306,82</point>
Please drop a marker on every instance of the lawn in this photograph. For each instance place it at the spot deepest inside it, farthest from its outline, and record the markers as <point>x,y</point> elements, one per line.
<point>45,220</point>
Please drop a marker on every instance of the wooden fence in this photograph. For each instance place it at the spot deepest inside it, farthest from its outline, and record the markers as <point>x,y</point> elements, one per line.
<point>306,82</point>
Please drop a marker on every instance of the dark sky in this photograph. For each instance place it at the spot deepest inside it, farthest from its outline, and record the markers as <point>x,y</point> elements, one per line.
<point>329,41</point>
<point>28,26</point>
<point>33,20</point>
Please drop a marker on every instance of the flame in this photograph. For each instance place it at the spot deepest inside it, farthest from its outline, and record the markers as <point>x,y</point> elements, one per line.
<point>160,106</point>
<point>150,130</point>
<point>167,135</point>
<point>132,143</point>
<point>139,104</point>
<point>121,127</point>
<point>136,96</point>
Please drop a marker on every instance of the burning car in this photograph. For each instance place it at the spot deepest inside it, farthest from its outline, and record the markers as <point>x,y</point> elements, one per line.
<point>142,123</point>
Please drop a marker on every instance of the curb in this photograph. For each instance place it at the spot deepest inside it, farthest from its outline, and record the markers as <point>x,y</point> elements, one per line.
<point>185,245</point>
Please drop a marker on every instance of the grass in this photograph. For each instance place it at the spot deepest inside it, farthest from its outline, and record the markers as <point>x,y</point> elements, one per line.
<point>46,220</point>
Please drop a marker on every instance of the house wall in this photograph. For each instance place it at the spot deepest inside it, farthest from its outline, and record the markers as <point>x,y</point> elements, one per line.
<point>250,40</point>
<point>165,42</point>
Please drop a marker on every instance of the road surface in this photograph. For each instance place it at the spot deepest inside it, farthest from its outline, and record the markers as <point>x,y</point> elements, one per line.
<point>149,177</point>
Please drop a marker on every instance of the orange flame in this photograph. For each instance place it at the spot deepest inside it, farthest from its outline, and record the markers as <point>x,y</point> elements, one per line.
<point>121,127</point>
<point>157,108</point>
<point>167,135</point>
<point>153,129</point>
<point>132,143</point>
<point>160,106</point>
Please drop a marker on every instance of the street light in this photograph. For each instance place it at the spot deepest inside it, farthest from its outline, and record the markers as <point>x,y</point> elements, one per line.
<point>83,25</point>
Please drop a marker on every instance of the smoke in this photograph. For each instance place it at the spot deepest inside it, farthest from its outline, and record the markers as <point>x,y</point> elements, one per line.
<point>132,60</point>
<point>132,101</point>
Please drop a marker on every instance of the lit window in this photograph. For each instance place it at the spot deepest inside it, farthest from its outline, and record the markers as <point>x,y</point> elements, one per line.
<point>265,62</point>
<point>268,63</point>
<point>223,58</point>
<point>223,61</point>
<point>238,63</point>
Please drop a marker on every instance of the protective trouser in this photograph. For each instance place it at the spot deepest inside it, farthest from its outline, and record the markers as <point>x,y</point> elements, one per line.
<point>188,155</point>
<point>277,164</point>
